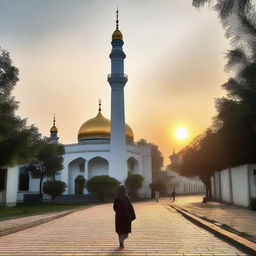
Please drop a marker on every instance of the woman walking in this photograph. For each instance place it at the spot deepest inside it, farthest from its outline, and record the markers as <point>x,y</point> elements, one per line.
<point>124,215</point>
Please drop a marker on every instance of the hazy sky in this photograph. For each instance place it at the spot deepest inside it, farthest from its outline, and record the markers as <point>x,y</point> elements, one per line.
<point>175,60</point>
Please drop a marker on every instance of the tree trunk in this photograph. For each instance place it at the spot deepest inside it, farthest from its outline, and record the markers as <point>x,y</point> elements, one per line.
<point>40,188</point>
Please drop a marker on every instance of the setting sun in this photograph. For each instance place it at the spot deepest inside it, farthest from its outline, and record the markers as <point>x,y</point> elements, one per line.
<point>181,133</point>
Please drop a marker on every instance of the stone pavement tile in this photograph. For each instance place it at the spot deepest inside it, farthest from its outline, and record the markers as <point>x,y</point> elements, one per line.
<point>156,231</point>
<point>239,218</point>
<point>8,224</point>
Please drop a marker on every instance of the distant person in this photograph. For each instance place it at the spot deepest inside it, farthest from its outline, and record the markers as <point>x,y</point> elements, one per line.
<point>124,215</point>
<point>173,195</point>
<point>157,196</point>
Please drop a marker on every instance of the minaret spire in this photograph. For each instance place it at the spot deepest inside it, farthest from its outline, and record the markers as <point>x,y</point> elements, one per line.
<point>117,21</point>
<point>117,80</point>
<point>54,133</point>
<point>99,100</point>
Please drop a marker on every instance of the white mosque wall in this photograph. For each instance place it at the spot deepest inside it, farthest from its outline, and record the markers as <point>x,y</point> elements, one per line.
<point>97,162</point>
<point>96,158</point>
<point>33,187</point>
<point>142,155</point>
<point>86,152</point>
<point>98,166</point>
<point>12,185</point>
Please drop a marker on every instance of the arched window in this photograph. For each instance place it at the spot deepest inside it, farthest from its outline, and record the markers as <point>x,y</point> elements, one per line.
<point>98,166</point>
<point>23,179</point>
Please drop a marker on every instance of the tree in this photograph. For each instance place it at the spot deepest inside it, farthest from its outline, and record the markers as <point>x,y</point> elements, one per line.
<point>103,186</point>
<point>201,159</point>
<point>17,140</point>
<point>54,188</point>
<point>133,182</point>
<point>232,138</point>
<point>47,162</point>
<point>157,158</point>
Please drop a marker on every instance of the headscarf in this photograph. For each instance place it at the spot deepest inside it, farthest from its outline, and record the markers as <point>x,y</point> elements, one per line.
<point>121,191</point>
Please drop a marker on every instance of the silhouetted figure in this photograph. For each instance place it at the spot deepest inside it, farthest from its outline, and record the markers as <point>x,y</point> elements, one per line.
<point>157,196</point>
<point>124,215</point>
<point>173,195</point>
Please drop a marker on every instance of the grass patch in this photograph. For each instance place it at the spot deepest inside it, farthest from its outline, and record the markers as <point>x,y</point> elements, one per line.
<point>24,210</point>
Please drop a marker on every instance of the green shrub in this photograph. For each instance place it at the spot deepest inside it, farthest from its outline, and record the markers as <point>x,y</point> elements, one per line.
<point>103,186</point>
<point>253,203</point>
<point>54,188</point>
<point>133,183</point>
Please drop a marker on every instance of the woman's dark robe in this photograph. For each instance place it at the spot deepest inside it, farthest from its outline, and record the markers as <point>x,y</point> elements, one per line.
<point>124,214</point>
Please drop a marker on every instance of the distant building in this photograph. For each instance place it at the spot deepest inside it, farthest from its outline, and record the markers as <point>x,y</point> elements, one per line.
<point>181,184</point>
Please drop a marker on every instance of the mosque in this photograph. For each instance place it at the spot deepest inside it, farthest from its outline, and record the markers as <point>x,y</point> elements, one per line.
<point>104,147</point>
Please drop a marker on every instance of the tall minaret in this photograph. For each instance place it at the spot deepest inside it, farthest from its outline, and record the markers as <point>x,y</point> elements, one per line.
<point>117,80</point>
<point>53,133</point>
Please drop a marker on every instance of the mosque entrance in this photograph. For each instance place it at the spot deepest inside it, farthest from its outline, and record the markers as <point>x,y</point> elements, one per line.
<point>79,185</point>
<point>75,168</point>
<point>3,179</point>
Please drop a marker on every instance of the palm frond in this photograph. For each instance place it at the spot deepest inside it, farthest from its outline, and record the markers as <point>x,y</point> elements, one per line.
<point>199,3</point>
<point>236,60</point>
<point>224,8</point>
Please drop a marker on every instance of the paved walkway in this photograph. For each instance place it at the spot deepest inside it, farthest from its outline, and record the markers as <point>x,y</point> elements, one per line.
<point>156,231</point>
<point>239,218</point>
<point>13,223</point>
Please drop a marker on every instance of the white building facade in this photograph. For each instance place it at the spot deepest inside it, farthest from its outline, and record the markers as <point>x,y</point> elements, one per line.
<point>183,185</point>
<point>105,147</point>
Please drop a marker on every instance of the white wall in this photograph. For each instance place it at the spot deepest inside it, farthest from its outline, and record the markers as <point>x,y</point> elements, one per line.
<point>252,178</point>
<point>97,166</point>
<point>184,185</point>
<point>240,188</point>
<point>12,185</point>
<point>234,185</point>
<point>225,186</point>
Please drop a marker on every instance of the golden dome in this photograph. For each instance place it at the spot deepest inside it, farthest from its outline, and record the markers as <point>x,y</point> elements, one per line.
<point>117,35</point>
<point>99,128</point>
<point>54,129</point>
<point>128,132</point>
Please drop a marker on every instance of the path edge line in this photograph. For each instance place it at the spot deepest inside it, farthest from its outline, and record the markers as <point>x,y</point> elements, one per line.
<point>240,242</point>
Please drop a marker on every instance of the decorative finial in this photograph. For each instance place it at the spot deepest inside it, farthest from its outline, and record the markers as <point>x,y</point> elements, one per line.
<point>54,120</point>
<point>117,21</point>
<point>99,105</point>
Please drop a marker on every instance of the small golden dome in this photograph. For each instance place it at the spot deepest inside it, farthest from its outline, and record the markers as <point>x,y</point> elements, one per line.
<point>117,35</point>
<point>54,129</point>
<point>99,127</point>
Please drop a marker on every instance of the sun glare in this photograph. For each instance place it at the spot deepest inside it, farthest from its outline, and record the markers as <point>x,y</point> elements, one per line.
<point>181,133</point>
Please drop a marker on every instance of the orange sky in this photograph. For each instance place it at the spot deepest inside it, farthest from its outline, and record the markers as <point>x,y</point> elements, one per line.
<point>175,61</point>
